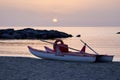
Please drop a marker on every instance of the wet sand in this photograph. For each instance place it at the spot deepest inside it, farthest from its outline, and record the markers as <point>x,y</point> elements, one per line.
<point>25,68</point>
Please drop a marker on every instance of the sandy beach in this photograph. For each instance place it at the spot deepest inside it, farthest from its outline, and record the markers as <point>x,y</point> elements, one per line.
<point>26,68</point>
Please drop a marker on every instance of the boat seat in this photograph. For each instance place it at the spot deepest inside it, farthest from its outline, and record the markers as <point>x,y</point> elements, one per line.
<point>60,44</point>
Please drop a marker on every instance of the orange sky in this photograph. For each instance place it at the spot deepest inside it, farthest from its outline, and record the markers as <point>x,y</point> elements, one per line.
<point>68,12</point>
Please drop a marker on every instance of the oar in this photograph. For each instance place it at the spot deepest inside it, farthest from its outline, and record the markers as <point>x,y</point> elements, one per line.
<point>89,47</point>
<point>61,45</point>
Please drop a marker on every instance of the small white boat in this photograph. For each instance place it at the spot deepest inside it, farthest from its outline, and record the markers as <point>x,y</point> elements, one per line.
<point>64,56</point>
<point>60,52</point>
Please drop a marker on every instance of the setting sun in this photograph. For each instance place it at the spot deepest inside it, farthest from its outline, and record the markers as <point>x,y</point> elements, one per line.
<point>55,20</point>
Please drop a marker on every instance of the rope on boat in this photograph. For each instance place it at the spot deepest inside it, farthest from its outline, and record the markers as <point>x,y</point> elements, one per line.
<point>89,47</point>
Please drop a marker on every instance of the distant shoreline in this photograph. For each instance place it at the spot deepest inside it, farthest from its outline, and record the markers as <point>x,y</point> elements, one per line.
<point>25,68</point>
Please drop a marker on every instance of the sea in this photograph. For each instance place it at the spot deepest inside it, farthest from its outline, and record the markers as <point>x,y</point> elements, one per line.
<point>103,40</point>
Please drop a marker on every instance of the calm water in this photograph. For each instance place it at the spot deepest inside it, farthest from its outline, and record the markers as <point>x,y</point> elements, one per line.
<point>103,40</point>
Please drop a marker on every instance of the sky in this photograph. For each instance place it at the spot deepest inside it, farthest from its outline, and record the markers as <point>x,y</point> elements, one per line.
<point>59,12</point>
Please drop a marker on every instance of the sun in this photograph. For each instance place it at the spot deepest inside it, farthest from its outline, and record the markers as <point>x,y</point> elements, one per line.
<point>55,20</point>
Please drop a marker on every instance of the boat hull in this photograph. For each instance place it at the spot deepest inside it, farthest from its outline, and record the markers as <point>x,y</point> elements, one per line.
<point>99,58</point>
<point>47,55</point>
<point>104,58</point>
